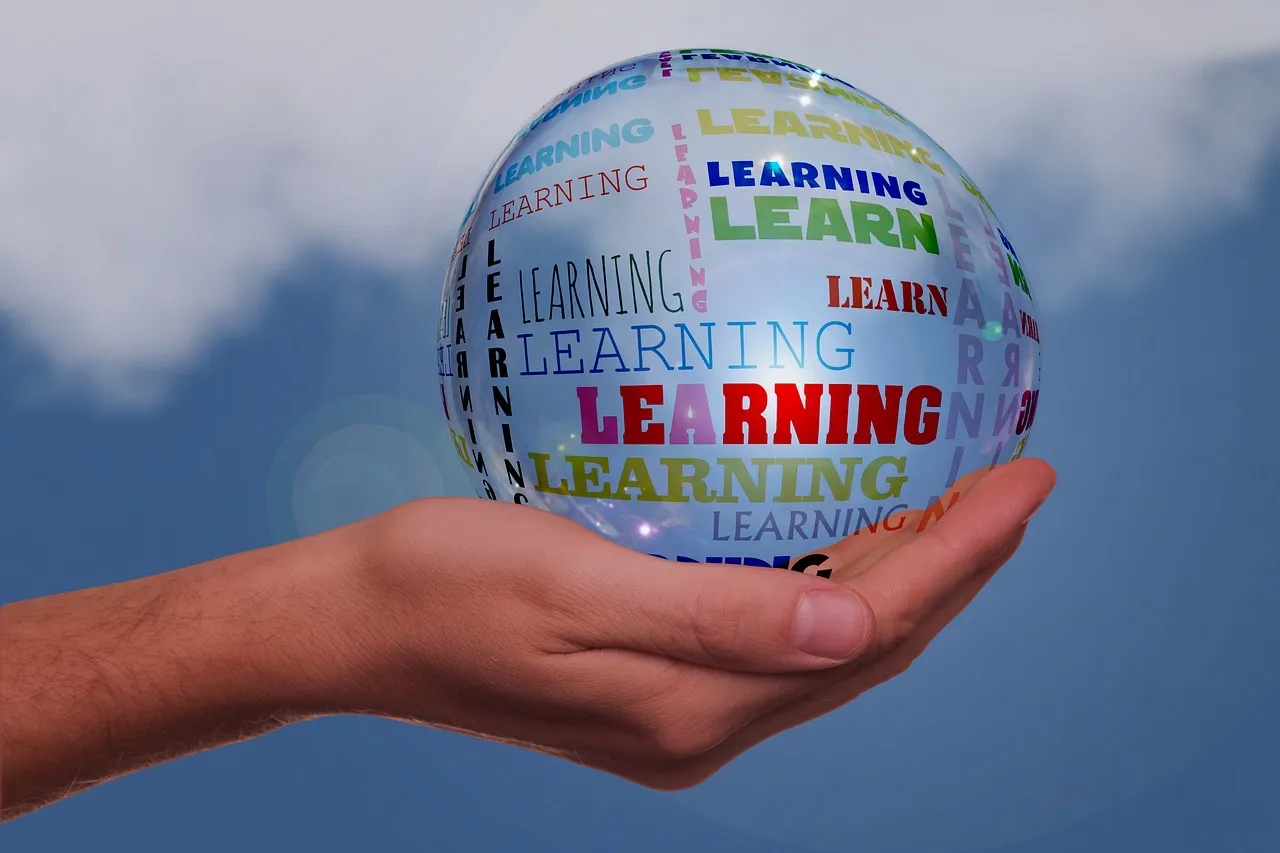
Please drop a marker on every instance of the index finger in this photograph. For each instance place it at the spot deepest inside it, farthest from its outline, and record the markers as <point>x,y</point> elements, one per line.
<point>911,582</point>
<point>854,554</point>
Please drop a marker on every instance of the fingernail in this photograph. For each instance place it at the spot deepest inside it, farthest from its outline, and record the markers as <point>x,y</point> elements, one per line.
<point>831,625</point>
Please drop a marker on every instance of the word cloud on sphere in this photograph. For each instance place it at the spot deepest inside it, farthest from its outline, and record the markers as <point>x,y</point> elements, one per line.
<point>726,307</point>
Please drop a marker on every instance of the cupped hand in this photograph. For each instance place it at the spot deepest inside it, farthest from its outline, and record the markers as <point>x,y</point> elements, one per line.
<point>512,624</point>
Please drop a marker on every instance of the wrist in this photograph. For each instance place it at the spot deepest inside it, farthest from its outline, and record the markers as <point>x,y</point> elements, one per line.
<point>312,650</point>
<point>394,606</point>
<point>407,606</point>
<point>363,601</point>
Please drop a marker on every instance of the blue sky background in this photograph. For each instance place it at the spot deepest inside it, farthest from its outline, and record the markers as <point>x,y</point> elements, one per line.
<point>1115,689</point>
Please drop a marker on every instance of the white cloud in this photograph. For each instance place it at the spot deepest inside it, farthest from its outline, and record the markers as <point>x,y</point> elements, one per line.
<point>161,162</point>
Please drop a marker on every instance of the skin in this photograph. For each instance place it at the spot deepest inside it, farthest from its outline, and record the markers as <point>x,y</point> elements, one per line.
<point>503,622</point>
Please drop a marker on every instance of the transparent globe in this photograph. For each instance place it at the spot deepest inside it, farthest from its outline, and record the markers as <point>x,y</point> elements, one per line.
<point>726,307</point>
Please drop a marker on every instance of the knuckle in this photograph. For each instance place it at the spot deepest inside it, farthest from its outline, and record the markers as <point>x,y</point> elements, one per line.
<point>718,624</point>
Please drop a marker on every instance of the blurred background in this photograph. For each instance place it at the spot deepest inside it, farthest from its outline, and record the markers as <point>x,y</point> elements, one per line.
<point>223,230</point>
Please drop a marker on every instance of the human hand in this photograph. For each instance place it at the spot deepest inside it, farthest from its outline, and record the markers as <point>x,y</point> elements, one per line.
<point>500,621</point>
<point>515,625</point>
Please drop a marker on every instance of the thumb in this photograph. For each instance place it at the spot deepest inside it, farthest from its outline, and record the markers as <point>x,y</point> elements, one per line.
<point>724,616</point>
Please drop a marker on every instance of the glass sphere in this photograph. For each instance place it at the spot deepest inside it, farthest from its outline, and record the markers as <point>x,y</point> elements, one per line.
<point>721,306</point>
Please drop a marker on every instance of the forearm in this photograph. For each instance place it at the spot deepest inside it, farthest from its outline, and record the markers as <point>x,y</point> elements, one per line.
<point>97,683</point>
